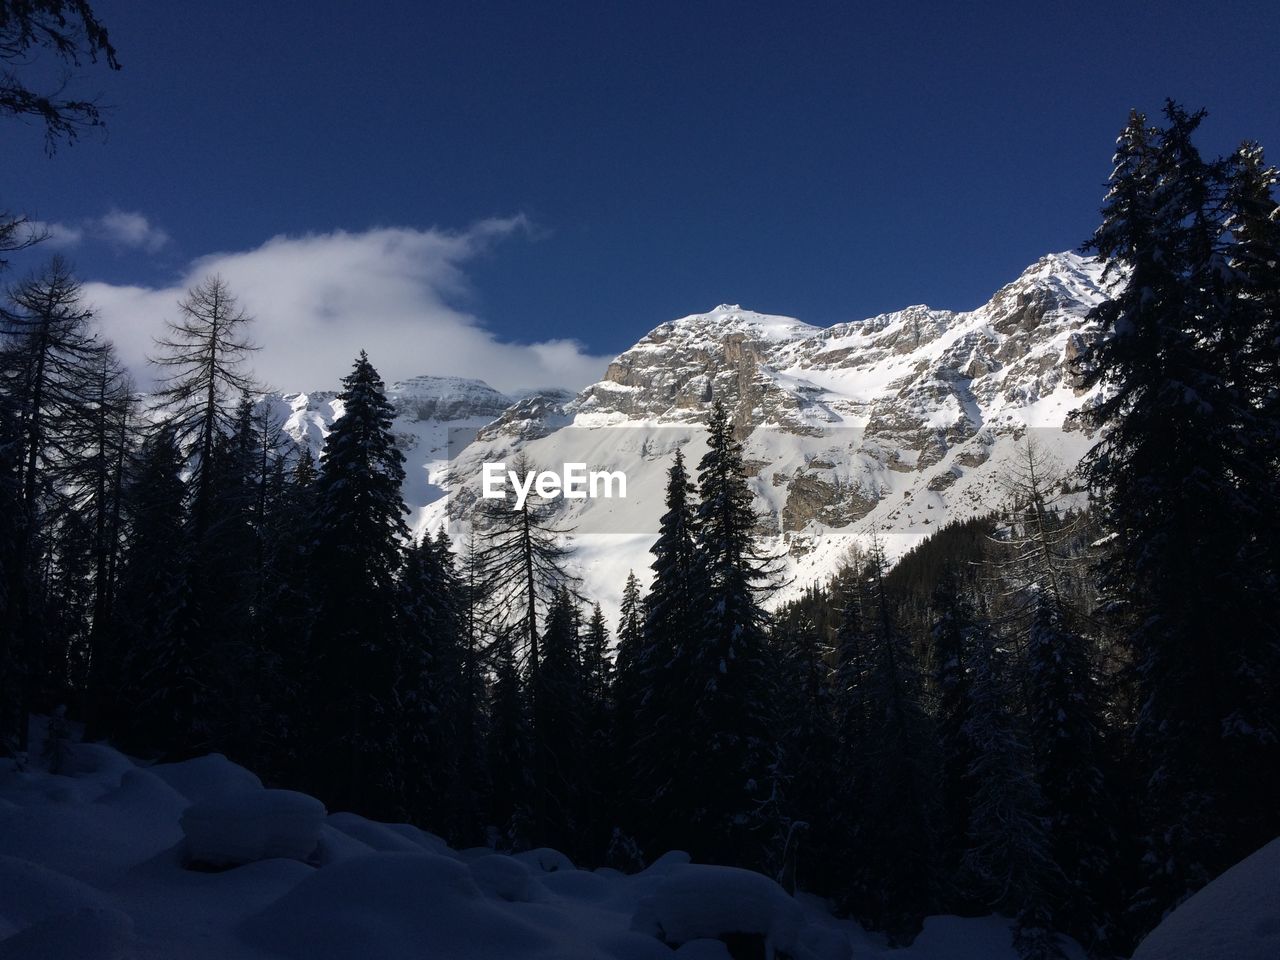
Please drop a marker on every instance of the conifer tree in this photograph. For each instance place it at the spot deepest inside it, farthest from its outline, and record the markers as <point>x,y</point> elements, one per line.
<point>653,672</point>
<point>1187,503</point>
<point>891,769</point>
<point>284,615</point>
<point>104,439</point>
<point>10,570</point>
<point>727,659</point>
<point>954,637</point>
<point>46,362</point>
<point>599,788</point>
<point>626,699</point>
<point>201,361</point>
<point>630,624</point>
<point>523,560</point>
<point>508,748</point>
<point>357,556</point>
<point>1009,860</point>
<point>224,584</point>
<point>470,787</point>
<point>1069,751</point>
<point>806,741</point>
<point>160,680</point>
<point>596,667</point>
<point>560,727</point>
<point>430,690</point>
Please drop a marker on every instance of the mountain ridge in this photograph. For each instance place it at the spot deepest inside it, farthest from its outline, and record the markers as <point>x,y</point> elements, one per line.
<point>884,427</point>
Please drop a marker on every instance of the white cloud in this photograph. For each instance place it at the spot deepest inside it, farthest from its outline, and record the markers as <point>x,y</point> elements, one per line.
<point>119,228</point>
<point>319,299</point>
<point>131,230</point>
<point>57,235</point>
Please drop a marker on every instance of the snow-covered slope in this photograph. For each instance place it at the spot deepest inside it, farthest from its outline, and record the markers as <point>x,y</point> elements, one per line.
<point>431,414</point>
<point>890,425</point>
<point>111,860</point>
<point>1236,917</point>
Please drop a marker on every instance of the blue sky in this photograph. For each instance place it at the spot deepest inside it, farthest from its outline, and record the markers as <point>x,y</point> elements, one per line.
<point>583,171</point>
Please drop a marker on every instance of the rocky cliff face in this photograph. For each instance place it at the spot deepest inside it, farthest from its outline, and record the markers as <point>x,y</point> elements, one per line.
<point>446,398</point>
<point>888,426</point>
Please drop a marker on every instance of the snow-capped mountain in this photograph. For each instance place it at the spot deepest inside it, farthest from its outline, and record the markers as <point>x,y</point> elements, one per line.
<point>431,413</point>
<point>890,425</point>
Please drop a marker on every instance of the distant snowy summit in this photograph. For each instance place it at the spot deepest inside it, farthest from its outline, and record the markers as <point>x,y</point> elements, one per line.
<point>446,398</point>
<point>891,425</point>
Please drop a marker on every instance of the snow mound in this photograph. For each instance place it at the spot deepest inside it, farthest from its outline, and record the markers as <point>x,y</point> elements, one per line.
<point>545,859</point>
<point>704,950</point>
<point>336,845</point>
<point>31,894</point>
<point>505,878</point>
<point>387,837</point>
<point>697,901</point>
<point>393,906</point>
<point>259,825</point>
<point>1236,917</point>
<point>89,933</point>
<point>97,760</point>
<point>142,794</point>
<point>207,778</point>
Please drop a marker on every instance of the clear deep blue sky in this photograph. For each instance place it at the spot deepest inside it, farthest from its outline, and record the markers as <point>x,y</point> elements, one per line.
<point>825,160</point>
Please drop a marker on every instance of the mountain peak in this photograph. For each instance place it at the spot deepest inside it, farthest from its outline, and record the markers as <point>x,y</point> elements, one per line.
<point>731,318</point>
<point>433,397</point>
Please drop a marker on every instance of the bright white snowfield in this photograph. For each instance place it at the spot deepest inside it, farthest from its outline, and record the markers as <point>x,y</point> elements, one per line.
<point>113,861</point>
<point>892,425</point>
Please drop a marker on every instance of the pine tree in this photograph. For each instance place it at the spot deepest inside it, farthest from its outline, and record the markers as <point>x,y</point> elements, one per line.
<point>474,669</point>
<point>11,570</point>
<point>160,680</point>
<point>1009,861</point>
<point>560,727</point>
<point>630,625</point>
<point>600,773</point>
<point>223,586</point>
<point>954,637</point>
<point>653,671</point>
<point>626,698</point>
<point>357,556</point>
<point>283,617</point>
<point>508,749</point>
<point>596,666</point>
<point>46,364</point>
<point>1253,220</point>
<point>105,436</point>
<point>523,559</point>
<point>1043,576</point>
<point>1064,725</point>
<point>1180,488</point>
<point>471,786</point>
<point>890,767</point>
<point>727,660</point>
<point>806,742</point>
<point>431,693</point>
<point>201,360</point>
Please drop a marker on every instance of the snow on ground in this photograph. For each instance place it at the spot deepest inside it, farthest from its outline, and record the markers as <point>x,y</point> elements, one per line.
<point>95,865</point>
<point>1236,917</point>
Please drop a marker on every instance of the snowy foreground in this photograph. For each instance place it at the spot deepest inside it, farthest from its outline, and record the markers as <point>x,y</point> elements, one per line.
<point>198,860</point>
